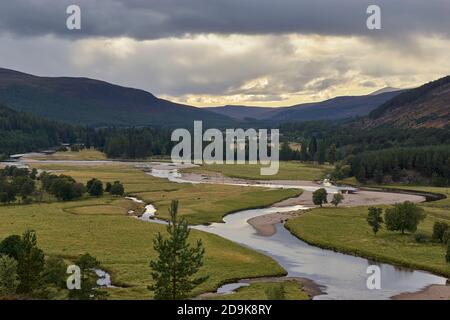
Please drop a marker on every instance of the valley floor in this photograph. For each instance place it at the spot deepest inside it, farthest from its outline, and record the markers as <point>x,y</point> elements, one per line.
<point>123,244</point>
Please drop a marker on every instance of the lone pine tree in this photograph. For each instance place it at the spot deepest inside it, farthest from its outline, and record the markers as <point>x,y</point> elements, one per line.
<point>178,262</point>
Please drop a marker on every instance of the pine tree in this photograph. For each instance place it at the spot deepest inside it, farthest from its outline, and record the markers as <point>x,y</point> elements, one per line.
<point>332,154</point>
<point>31,263</point>
<point>312,148</point>
<point>9,279</point>
<point>374,219</point>
<point>174,270</point>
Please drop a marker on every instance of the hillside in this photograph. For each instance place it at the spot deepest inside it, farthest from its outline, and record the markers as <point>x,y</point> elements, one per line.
<point>95,103</point>
<point>21,132</point>
<point>332,109</point>
<point>427,106</point>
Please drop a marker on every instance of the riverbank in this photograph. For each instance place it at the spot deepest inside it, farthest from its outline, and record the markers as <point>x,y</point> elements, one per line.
<point>265,225</point>
<point>295,288</point>
<point>434,292</point>
<point>346,230</point>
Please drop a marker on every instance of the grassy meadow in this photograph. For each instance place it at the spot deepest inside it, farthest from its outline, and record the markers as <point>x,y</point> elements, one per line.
<point>292,170</point>
<point>346,230</point>
<point>258,291</point>
<point>82,155</point>
<point>123,244</point>
<point>199,203</point>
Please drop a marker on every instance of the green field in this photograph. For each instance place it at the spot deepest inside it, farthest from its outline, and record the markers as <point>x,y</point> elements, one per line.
<point>346,230</point>
<point>82,155</point>
<point>199,203</point>
<point>123,244</point>
<point>258,291</point>
<point>292,170</point>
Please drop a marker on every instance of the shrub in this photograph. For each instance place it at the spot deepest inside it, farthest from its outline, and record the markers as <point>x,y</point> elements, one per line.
<point>337,199</point>
<point>439,229</point>
<point>12,246</point>
<point>446,237</point>
<point>117,189</point>
<point>95,187</point>
<point>421,237</point>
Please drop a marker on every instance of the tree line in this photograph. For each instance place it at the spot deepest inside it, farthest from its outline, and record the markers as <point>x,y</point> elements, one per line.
<point>412,165</point>
<point>29,186</point>
<point>22,132</point>
<point>372,155</point>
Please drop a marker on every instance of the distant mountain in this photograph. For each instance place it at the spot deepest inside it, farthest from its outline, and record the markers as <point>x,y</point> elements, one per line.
<point>332,109</point>
<point>422,107</point>
<point>96,103</point>
<point>385,90</point>
<point>242,113</point>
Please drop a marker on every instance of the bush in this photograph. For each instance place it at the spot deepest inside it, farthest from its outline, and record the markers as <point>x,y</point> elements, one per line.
<point>117,189</point>
<point>12,246</point>
<point>9,280</point>
<point>337,199</point>
<point>421,237</point>
<point>62,149</point>
<point>63,187</point>
<point>439,229</point>
<point>95,187</point>
<point>446,237</point>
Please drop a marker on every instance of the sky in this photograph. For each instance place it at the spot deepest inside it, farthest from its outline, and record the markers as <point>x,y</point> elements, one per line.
<point>241,52</point>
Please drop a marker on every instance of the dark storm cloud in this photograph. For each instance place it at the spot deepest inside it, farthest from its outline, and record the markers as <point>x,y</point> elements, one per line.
<point>151,19</point>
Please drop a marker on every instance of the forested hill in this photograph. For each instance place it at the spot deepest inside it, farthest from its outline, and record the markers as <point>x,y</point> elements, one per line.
<point>427,106</point>
<point>96,103</point>
<point>21,132</point>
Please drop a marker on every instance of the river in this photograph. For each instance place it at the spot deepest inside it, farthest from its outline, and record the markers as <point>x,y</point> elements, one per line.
<point>342,276</point>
